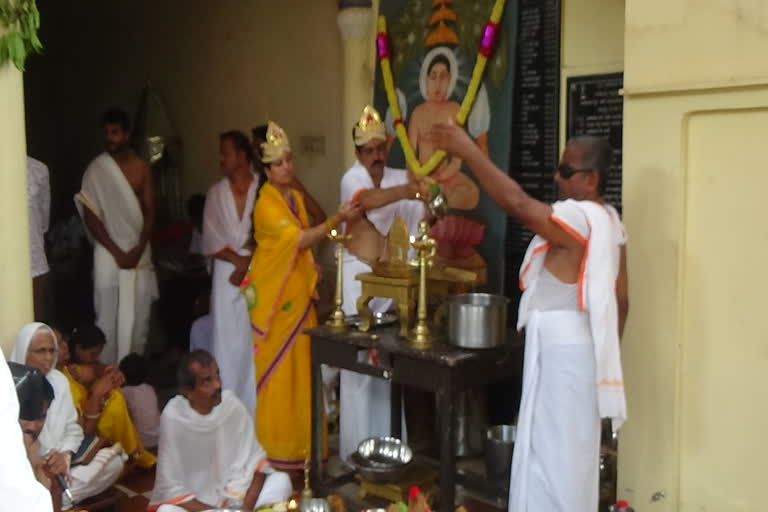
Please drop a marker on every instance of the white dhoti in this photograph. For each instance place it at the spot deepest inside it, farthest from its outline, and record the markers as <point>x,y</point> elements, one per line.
<point>365,401</point>
<point>572,370</point>
<point>277,487</point>
<point>122,297</point>
<point>557,450</point>
<point>232,336</point>
<point>96,477</point>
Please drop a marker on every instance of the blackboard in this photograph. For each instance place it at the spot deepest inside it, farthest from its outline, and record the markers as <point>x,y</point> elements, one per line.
<point>595,107</point>
<point>536,116</point>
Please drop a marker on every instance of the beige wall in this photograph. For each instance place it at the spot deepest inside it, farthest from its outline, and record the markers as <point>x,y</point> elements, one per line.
<point>592,42</point>
<point>218,65</point>
<point>694,180</point>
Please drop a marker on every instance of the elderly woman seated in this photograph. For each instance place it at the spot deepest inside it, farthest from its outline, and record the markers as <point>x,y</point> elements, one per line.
<point>61,437</point>
<point>95,389</point>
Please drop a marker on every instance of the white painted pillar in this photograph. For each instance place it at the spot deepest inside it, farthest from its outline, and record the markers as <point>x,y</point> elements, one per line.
<point>15,278</point>
<point>357,22</point>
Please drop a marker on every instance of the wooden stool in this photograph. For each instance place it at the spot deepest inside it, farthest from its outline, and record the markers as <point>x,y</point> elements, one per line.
<point>421,477</point>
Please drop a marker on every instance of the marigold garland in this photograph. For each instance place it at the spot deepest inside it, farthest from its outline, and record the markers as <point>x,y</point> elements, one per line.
<point>383,51</point>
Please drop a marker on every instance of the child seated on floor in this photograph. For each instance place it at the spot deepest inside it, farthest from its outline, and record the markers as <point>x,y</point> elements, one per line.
<point>141,399</point>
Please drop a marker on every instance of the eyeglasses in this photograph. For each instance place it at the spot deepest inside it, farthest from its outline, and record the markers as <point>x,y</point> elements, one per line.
<point>566,171</point>
<point>41,351</point>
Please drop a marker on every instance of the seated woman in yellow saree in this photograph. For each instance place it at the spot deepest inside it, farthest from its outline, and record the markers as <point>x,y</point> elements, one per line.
<point>279,289</point>
<point>101,407</point>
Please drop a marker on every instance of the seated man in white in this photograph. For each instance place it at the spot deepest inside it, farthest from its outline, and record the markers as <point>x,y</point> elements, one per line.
<point>208,453</point>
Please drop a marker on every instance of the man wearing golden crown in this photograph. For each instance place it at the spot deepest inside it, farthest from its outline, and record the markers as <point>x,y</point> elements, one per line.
<point>383,193</point>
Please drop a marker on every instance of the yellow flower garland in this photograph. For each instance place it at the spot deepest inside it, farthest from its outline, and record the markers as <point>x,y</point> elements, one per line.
<point>461,115</point>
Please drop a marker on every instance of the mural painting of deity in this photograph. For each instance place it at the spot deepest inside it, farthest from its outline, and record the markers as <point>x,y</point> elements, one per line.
<point>435,46</point>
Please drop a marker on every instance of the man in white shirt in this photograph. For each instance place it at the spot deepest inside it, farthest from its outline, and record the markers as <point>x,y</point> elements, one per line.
<point>227,240</point>
<point>39,205</point>
<point>384,194</point>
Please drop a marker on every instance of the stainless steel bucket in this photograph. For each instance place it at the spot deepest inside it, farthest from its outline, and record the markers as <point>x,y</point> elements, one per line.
<point>499,444</point>
<point>477,320</point>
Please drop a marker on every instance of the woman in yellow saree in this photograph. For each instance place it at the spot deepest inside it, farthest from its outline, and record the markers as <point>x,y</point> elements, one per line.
<point>279,289</point>
<point>100,405</point>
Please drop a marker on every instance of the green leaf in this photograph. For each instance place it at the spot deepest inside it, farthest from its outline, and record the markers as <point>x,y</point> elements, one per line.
<point>22,20</point>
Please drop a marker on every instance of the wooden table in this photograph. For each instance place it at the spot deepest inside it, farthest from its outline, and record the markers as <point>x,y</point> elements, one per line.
<point>441,369</point>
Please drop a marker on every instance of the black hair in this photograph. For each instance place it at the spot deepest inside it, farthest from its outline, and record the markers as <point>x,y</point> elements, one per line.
<point>240,142</point>
<point>87,336</point>
<point>597,155</point>
<point>33,389</point>
<point>439,59</point>
<point>259,133</point>
<point>185,379</point>
<point>134,367</point>
<point>117,116</point>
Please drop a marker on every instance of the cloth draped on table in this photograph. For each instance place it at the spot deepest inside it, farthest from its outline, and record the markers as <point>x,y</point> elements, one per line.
<point>572,369</point>
<point>232,339</point>
<point>122,297</point>
<point>62,433</point>
<point>211,458</point>
<point>279,290</point>
<point>364,400</point>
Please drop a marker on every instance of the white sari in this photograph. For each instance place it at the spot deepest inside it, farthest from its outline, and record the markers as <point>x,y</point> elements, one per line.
<point>122,297</point>
<point>61,431</point>
<point>232,337</point>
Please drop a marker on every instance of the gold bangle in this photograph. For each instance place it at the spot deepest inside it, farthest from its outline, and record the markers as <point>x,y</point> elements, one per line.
<point>92,416</point>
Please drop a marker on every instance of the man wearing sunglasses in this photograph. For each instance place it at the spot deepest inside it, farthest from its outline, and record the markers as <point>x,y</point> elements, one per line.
<point>573,308</point>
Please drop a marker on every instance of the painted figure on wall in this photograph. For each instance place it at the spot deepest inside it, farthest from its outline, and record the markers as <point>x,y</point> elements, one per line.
<point>434,68</point>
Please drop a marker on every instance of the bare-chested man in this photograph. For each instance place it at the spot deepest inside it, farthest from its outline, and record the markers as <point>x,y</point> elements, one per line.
<point>383,193</point>
<point>117,205</point>
<point>227,238</point>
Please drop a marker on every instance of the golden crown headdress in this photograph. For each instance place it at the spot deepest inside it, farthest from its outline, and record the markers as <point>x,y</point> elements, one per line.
<point>276,144</point>
<point>369,127</point>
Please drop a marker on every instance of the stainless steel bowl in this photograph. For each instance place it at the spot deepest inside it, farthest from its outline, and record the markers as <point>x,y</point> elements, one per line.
<point>384,452</point>
<point>314,505</point>
<point>377,473</point>
<point>382,459</point>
